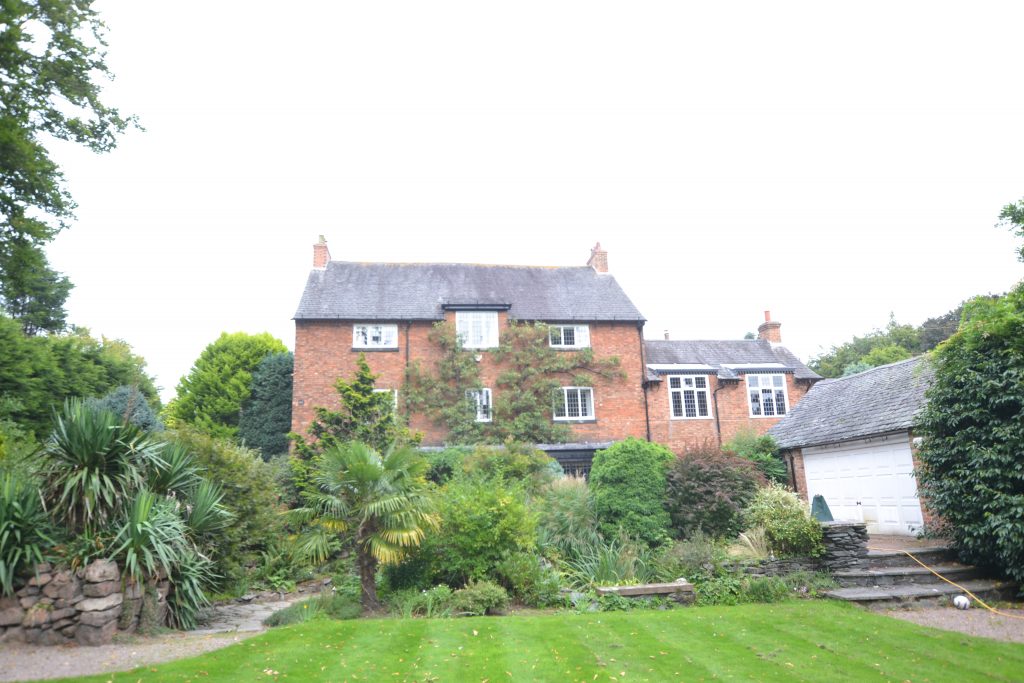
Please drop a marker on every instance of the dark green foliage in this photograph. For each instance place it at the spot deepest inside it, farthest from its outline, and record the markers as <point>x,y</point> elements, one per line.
<point>52,59</point>
<point>970,468</point>
<point>708,491</point>
<point>760,450</point>
<point>695,558</point>
<point>445,464</point>
<point>266,415</point>
<point>40,372</point>
<point>513,462</point>
<point>326,606</point>
<point>250,495</point>
<point>613,562</point>
<point>893,343</point>
<point>788,527</point>
<point>568,524</point>
<point>433,603</point>
<point>529,579</point>
<point>531,372</point>
<point>210,397</point>
<point>481,523</point>
<point>627,483</point>
<point>479,598</point>
<point>24,528</point>
<point>131,405</point>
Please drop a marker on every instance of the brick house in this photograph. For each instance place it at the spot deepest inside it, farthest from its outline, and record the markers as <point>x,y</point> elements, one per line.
<point>677,393</point>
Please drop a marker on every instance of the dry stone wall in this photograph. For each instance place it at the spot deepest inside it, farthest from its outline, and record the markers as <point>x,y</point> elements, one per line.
<point>56,607</point>
<point>846,548</point>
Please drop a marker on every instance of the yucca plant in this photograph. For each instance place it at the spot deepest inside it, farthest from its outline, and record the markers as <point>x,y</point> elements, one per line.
<point>23,528</point>
<point>173,470</point>
<point>204,513</point>
<point>381,498</point>
<point>190,577</point>
<point>93,464</point>
<point>151,537</point>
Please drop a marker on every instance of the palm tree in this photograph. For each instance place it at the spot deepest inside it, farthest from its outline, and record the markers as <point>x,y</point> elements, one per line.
<point>382,498</point>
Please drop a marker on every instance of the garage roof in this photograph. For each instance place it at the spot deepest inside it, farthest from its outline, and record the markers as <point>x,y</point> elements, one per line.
<point>884,399</point>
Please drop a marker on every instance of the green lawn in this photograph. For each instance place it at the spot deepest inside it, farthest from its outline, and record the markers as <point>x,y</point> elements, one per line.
<point>808,641</point>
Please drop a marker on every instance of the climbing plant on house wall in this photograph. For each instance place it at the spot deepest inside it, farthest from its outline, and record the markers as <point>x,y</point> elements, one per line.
<point>530,372</point>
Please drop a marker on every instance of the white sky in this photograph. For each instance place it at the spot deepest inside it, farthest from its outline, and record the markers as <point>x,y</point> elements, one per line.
<point>832,163</point>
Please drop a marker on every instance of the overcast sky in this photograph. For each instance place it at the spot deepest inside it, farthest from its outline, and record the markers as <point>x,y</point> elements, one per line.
<point>832,163</point>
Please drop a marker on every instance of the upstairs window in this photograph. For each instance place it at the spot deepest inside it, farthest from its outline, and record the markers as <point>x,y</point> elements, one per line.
<point>481,398</point>
<point>688,397</point>
<point>767,395</point>
<point>569,336</point>
<point>574,403</point>
<point>370,336</point>
<point>477,329</point>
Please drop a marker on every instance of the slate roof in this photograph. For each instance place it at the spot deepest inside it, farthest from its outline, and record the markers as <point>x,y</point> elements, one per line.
<point>421,291</point>
<point>728,358</point>
<point>884,399</point>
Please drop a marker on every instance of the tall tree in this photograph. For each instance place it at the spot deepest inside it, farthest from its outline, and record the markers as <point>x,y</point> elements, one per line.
<point>30,291</point>
<point>266,415</point>
<point>1012,216</point>
<point>51,63</point>
<point>210,397</point>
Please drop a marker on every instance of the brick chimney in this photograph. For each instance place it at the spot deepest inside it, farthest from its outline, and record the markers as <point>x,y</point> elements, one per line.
<point>770,330</point>
<point>598,259</point>
<point>321,254</point>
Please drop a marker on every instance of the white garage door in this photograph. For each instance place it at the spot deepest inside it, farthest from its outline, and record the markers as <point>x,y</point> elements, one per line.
<point>867,481</point>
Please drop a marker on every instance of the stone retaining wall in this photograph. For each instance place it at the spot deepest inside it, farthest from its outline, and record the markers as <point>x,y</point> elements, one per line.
<point>58,607</point>
<point>846,548</point>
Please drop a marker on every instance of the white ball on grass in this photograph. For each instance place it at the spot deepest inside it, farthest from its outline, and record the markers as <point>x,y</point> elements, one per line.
<point>961,602</point>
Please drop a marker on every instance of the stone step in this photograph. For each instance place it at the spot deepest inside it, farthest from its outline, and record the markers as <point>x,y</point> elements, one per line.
<point>985,589</point>
<point>879,559</point>
<point>897,576</point>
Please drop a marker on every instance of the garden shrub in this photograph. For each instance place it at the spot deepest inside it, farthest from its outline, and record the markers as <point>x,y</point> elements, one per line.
<point>788,526</point>
<point>482,521</point>
<point>250,495</point>
<point>479,598</point>
<point>973,426</point>
<point>513,462</point>
<point>446,463</point>
<point>24,529</point>
<point>325,606</point>
<point>131,406</point>
<point>628,487</point>
<point>617,562</point>
<point>529,579</point>
<point>708,490</point>
<point>761,450</point>
<point>696,557</point>
<point>568,522</point>
<point>431,603</point>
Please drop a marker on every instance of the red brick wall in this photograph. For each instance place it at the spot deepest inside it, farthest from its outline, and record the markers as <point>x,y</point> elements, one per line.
<point>733,413</point>
<point>931,520</point>
<point>797,471</point>
<point>323,353</point>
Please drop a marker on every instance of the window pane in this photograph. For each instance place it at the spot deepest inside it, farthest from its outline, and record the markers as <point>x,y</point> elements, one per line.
<point>677,404</point>
<point>360,336</point>
<point>688,382</point>
<point>777,380</point>
<point>702,404</point>
<point>586,405</point>
<point>572,400</point>
<point>582,335</point>
<point>701,382</point>
<point>691,404</point>
<point>568,336</point>
<point>780,403</point>
<point>674,383</point>
<point>755,403</point>
<point>556,336</point>
<point>768,402</point>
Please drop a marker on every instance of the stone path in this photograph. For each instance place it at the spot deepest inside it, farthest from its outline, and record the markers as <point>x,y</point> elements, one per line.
<point>242,617</point>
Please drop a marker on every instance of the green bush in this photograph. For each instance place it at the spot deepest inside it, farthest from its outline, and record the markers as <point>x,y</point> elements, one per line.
<point>250,494</point>
<point>695,558</point>
<point>513,462</point>
<point>326,606</point>
<point>479,598</point>
<point>568,522</point>
<point>973,426</point>
<point>131,406</point>
<point>529,580</point>
<point>628,487</point>
<point>707,491</point>
<point>616,562</point>
<point>482,521</point>
<point>445,464</point>
<point>788,526</point>
<point>761,450</point>
<point>432,603</point>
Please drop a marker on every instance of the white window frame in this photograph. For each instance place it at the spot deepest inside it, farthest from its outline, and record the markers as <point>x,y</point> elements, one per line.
<point>481,398</point>
<point>394,396</point>
<point>364,334</point>
<point>580,334</point>
<point>477,329</point>
<point>769,383</point>
<point>689,384</point>
<point>564,395</point>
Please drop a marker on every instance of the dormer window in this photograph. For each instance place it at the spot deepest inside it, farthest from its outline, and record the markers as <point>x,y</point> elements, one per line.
<point>374,336</point>
<point>767,394</point>
<point>569,336</point>
<point>477,329</point>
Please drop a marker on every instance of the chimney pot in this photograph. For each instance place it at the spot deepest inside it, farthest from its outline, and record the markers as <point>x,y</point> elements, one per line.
<point>666,335</point>
<point>598,259</point>
<point>321,254</point>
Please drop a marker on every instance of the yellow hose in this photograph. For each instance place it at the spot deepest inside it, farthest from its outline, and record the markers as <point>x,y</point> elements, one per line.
<point>976,598</point>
